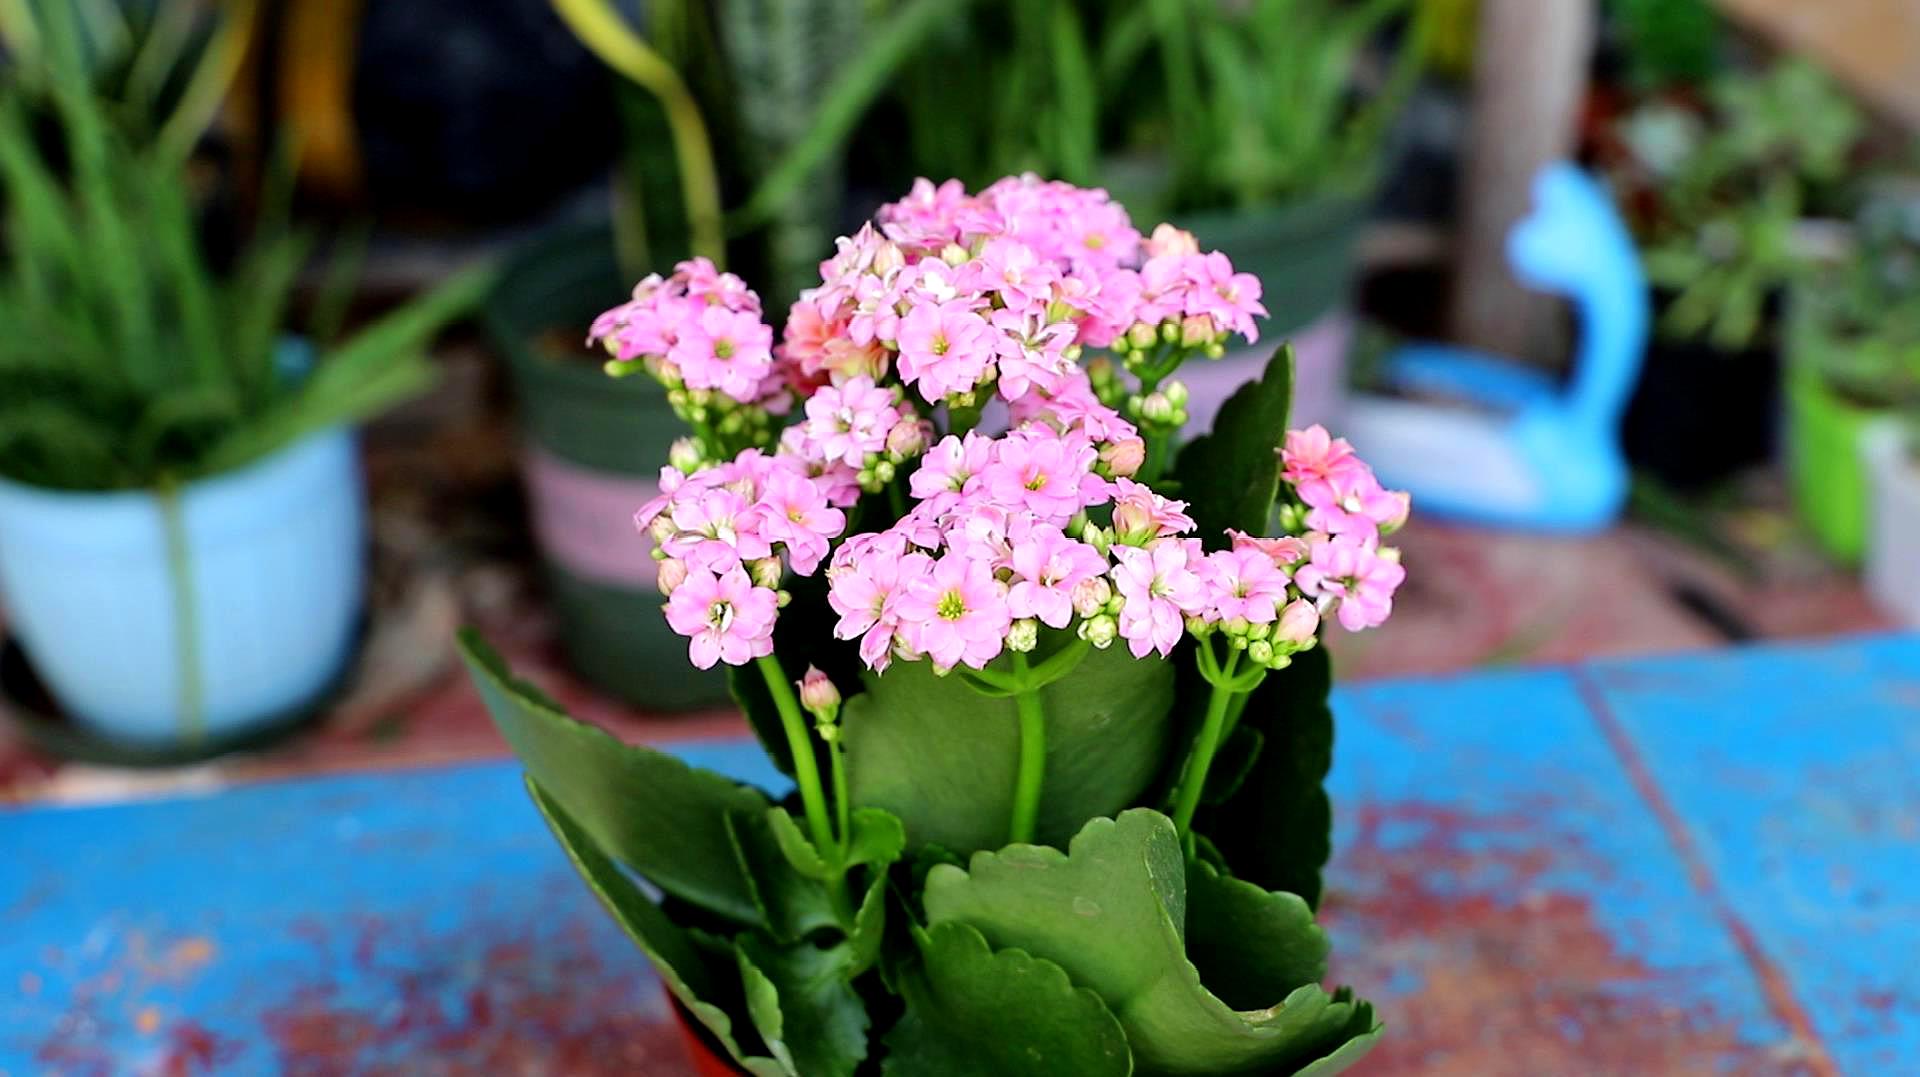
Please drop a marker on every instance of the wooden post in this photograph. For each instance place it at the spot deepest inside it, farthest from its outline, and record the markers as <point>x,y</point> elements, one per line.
<point>1529,79</point>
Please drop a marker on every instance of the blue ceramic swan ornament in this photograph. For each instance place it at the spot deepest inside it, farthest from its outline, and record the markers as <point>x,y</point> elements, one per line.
<point>1525,450</point>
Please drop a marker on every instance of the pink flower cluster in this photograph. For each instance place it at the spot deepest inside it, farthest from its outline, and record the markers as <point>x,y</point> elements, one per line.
<point>999,535</point>
<point>720,535</point>
<point>956,292</point>
<point>1348,512</point>
<point>700,328</point>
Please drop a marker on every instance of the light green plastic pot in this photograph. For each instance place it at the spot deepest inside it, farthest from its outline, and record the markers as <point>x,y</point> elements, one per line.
<point>1824,455</point>
<point>592,451</point>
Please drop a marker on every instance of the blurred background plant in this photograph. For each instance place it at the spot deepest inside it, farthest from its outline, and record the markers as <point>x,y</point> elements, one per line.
<point>131,358</point>
<point>1724,192</point>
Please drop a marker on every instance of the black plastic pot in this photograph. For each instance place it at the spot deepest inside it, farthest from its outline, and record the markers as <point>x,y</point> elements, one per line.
<point>592,448</point>
<point>1701,415</point>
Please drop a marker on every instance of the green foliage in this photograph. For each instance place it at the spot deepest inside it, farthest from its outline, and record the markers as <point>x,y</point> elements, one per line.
<point>1728,191</point>
<point>942,757</point>
<point>1112,912</point>
<point>972,1011</point>
<point>1231,475</point>
<point>1235,104</point>
<point>1857,318</point>
<point>131,361</point>
<point>1276,827</point>
<point>1668,42</point>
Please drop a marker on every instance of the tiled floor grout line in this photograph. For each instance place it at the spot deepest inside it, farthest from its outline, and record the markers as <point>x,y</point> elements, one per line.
<point>1772,979</point>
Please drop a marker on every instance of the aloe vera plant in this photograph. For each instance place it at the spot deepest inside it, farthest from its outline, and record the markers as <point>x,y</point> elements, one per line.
<point>131,360</point>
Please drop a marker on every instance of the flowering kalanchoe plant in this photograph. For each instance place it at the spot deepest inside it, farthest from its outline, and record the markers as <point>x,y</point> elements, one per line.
<point>1048,685</point>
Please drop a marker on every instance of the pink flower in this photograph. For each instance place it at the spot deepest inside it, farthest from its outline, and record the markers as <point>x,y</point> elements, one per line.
<point>847,422</point>
<point>1285,551</point>
<point>1041,473</point>
<point>944,348</point>
<point>793,511</point>
<point>1140,515</point>
<point>1012,269</point>
<point>1298,623</point>
<point>1244,584</point>
<point>956,614</point>
<point>1311,460</point>
<point>715,529</point>
<point>725,617</point>
<point>949,469</point>
<point>1353,579</point>
<point>1353,503</point>
<point>1160,589</point>
<point>731,351</point>
<point>1231,299</point>
<point>1047,567</point>
<point>1032,351</point>
<point>865,590</point>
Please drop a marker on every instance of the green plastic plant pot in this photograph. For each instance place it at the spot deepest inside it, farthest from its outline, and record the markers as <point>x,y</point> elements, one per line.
<point>1828,474</point>
<point>592,447</point>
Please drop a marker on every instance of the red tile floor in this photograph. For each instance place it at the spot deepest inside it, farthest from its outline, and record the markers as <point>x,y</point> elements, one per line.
<point>450,548</point>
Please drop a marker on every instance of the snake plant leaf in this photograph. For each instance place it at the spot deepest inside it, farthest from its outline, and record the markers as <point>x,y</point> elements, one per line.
<point>973,1011</point>
<point>1276,827</point>
<point>1230,477</point>
<point>802,1001</point>
<point>673,953</point>
<point>646,809</point>
<point>942,757</point>
<point>1113,912</point>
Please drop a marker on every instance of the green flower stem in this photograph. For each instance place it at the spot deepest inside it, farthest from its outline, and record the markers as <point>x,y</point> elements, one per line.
<point>842,803</point>
<point>1033,755</point>
<point>806,773</point>
<point>1194,779</point>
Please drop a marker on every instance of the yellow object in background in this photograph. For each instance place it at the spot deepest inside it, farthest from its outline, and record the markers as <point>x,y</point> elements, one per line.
<point>1444,32</point>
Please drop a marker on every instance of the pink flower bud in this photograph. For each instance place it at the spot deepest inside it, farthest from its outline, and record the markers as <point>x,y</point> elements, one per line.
<point>1398,517</point>
<point>1197,330</point>
<point>888,259</point>
<point>1133,523</point>
<point>908,438</point>
<point>765,572</point>
<point>1299,621</point>
<point>1168,240</point>
<point>672,573</point>
<point>818,695</point>
<point>661,530</point>
<point>1123,458</point>
<point>1090,596</point>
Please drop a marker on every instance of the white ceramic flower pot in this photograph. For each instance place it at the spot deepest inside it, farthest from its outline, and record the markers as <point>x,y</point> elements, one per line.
<point>276,556</point>
<point>1893,543</point>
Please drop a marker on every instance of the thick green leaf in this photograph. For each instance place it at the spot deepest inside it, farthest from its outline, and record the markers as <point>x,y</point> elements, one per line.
<point>1231,476</point>
<point>791,904</point>
<point>1276,828</point>
<point>795,846</point>
<point>869,932</point>
<point>1251,945</point>
<point>878,838</point>
<point>1111,911</point>
<point>648,810</point>
<point>971,1011</point>
<point>942,757</point>
<point>802,1000</point>
<point>671,950</point>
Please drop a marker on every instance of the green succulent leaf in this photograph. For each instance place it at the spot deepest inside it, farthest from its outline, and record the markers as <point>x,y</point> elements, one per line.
<point>791,904</point>
<point>1276,827</point>
<point>646,809</point>
<point>802,1000</point>
<point>869,932</point>
<point>971,1012</point>
<point>1251,945</point>
<point>795,846</point>
<point>942,757</point>
<point>879,838</point>
<point>673,952</point>
<point>1112,912</point>
<point>1230,477</point>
